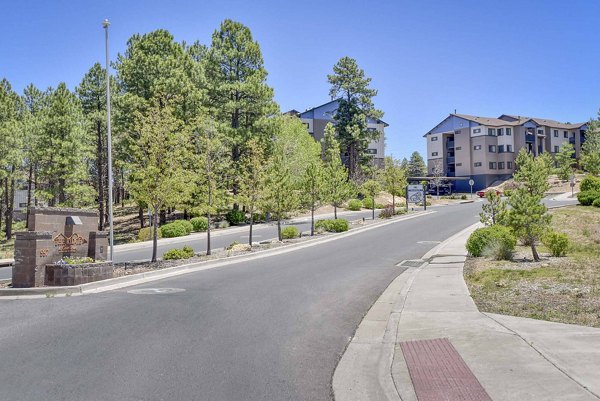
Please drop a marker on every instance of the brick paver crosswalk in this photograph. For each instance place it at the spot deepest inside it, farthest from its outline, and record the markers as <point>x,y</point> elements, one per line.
<point>439,373</point>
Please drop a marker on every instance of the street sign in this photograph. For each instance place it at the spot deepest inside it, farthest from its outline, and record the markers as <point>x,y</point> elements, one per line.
<point>471,182</point>
<point>416,194</point>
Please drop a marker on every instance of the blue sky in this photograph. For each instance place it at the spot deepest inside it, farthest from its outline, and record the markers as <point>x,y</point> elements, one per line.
<point>426,58</point>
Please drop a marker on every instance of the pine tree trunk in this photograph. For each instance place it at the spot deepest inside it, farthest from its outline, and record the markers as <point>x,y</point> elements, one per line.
<point>141,216</point>
<point>123,188</point>
<point>61,191</point>
<point>536,256</point>
<point>335,212</point>
<point>208,235</point>
<point>393,204</point>
<point>312,220</point>
<point>155,235</point>
<point>10,209</point>
<point>279,226</point>
<point>251,224</point>
<point>29,192</point>
<point>373,208</point>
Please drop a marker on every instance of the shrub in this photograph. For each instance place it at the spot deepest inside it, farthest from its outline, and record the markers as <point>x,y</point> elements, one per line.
<point>379,206</point>
<point>230,246</point>
<point>590,183</point>
<point>386,213</point>
<point>557,243</point>
<point>290,232</point>
<point>77,260</point>
<point>199,223</point>
<point>586,198</point>
<point>354,204</point>
<point>334,226</point>
<point>495,241</point>
<point>258,218</point>
<point>367,203</point>
<point>178,228</point>
<point>145,234</point>
<point>400,211</point>
<point>463,197</point>
<point>235,217</point>
<point>596,202</point>
<point>222,224</point>
<point>174,254</point>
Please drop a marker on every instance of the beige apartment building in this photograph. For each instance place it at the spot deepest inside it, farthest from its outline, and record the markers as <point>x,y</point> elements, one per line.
<point>484,148</point>
<point>316,119</point>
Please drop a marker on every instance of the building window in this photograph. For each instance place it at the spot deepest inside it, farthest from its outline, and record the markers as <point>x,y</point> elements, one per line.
<point>508,131</point>
<point>477,147</point>
<point>509,148</point>
<point>540,132</point>
<point>307,125</point>
<point>566,134</point>
<point>458,164</point>
<point>500,165</point>
<point>434,138</point>
<point>477,164</point>
<point>22,205</point>
<point>458,148</point>
<point>492,131</point>
<point>509,165</point>
<point>500,132</point>
<point>500,148</point>
<point>556,133</point>
<point>492,165</point>
<point>477,130</point>
<point>434,153</point>
<point>374,151</point>
<point>456,132</point>
<point>492,148</point>
<point>556,149</point>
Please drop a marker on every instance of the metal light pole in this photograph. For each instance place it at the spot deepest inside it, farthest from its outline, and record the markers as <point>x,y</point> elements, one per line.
<point>106,24</point>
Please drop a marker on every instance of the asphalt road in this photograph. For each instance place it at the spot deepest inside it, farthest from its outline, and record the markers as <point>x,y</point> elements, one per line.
<point>268,329</point>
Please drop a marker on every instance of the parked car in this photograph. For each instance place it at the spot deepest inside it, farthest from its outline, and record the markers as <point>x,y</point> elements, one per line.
<point>482,194</point>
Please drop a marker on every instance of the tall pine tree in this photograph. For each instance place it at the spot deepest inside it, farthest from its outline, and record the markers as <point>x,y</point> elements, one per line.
<point>349,84</point>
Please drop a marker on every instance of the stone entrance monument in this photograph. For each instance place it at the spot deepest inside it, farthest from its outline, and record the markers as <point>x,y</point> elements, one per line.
<point>55,233</point>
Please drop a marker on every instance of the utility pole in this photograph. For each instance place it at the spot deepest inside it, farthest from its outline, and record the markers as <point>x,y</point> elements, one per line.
<point>106,24</point>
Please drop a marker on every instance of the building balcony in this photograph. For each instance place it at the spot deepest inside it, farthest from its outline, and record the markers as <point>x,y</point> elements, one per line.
<point>572,140</point>
<point>450,160</point>
<point>449,144</point>
<point>529,138</point>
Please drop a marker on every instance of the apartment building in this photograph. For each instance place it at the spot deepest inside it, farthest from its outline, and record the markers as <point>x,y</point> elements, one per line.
<point>484,148</point>
<point>316,119</point>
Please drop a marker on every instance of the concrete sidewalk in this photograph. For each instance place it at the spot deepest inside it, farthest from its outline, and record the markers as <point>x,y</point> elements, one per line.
<point>513,358</point>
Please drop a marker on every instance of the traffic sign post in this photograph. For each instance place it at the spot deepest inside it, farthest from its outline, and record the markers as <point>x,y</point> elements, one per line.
<point>416,194</point>
<point>572,183</point>
<point>471,183</point>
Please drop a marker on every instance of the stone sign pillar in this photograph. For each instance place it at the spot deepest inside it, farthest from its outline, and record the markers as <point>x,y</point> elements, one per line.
<point>55,233</point>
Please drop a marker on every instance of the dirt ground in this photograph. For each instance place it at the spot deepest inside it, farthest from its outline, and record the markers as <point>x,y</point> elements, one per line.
<point>559,289</point>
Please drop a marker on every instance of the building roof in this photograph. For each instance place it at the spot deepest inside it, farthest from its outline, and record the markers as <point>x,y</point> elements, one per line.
<point>549,123</point>
<point>491,121</point>
<point>333,101</point>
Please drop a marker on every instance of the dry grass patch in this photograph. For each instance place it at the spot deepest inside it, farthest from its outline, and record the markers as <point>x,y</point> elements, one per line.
<point>565,290</point>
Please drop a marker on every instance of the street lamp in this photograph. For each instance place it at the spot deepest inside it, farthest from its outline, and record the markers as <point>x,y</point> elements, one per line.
<point>105,25</point>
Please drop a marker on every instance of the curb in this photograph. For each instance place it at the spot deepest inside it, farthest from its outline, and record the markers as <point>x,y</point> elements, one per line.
<point>364,371</point>
<point>141,278</point>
